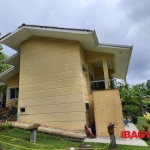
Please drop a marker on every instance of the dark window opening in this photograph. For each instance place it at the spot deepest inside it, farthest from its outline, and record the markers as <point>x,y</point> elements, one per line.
<point>92,86</point>
<point>87,106</point>
<point>13,93</point>
<point>22,109</point>
<point>84,69</point>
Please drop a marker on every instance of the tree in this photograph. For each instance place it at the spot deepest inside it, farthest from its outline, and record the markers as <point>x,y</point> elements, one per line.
<point>148,84</point>
<point>134,99</point>
<point>3,66</point>
<point>131,99</point>
<point>148,87</point>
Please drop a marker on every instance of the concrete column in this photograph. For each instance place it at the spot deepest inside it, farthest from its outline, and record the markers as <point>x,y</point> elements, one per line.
<point>32,136</point>
<point>106,74</point>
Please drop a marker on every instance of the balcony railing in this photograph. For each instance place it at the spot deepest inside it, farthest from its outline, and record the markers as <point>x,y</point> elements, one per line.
<point>100,85</point>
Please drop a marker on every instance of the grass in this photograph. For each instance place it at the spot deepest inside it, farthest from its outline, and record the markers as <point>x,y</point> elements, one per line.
<point>140,123</point>
<point>42,139</point>
<point>48,142</point>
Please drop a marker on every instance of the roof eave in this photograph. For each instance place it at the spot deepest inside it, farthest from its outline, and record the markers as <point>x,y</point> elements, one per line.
<point>115,46</point>
<point>8,73</point>
<point>45,27</point>
<point>131,48</point>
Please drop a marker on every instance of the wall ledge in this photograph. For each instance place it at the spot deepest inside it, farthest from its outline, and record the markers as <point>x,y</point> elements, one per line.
<point>66,134</point>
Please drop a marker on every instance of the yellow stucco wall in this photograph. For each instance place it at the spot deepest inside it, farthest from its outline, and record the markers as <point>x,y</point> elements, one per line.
<point>85,83</point>
<point>91,114</point>
<point>87,57</point>
<point>11,83</point>
<point>52,88</point>
<point>92,56</point>
<point>102,101</point>
<point>107,108</point>
<point>100,73</point>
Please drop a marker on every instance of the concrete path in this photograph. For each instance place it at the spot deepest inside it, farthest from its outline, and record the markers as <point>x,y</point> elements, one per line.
<point>134,141</point>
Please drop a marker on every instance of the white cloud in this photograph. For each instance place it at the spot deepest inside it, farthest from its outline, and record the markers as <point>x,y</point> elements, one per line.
<point>115,21</point>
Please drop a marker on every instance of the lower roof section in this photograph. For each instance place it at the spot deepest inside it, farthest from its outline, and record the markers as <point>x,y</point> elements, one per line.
<point>13,60</point>
<point>7,74</point>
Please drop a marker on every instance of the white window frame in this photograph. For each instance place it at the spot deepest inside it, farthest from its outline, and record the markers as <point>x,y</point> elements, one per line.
<point>15,93</point>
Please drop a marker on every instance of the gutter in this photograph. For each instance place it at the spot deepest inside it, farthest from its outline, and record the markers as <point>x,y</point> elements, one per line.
<point>53,27</point>
<point>115,45</point>
<point>5,35</point>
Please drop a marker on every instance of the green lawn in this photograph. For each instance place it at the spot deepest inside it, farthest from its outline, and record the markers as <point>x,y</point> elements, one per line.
<point>45,141</point>
<point>140,123</point>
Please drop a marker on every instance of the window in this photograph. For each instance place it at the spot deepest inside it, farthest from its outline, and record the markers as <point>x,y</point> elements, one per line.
<point>22,109</point>
<point>13,93</point>
<point>84,69</point>
<point>87,107</point>
<point>92,85</point>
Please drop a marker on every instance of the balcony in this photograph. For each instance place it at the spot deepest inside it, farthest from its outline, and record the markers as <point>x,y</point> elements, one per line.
<point>100,85</point>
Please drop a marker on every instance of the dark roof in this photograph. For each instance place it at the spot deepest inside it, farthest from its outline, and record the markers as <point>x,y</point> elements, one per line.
<point>5,35</point>
<point>88,30</point>
<point>52,27</point>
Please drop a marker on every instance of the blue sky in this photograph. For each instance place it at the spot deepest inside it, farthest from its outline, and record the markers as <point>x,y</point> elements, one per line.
<point>115,21</point>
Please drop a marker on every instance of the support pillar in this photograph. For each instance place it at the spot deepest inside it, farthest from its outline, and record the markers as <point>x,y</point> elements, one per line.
<point>106,74</point>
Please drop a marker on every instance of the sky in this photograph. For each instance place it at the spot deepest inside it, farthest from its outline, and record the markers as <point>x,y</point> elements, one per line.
<point>125,22</point>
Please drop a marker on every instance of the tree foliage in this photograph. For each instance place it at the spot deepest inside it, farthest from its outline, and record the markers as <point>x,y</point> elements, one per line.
<point>148,86</point>
<point>3,66</point>
<point>132,98</point>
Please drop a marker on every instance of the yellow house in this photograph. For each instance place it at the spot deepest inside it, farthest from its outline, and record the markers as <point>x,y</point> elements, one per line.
<point>62,77</point>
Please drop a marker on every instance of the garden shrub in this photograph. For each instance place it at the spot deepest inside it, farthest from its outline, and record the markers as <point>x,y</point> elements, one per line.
<point>7,112</point>
<point>6,126</point>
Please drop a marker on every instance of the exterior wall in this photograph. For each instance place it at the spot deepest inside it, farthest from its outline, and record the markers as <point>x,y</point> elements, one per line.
<point>87,57</point>
<point>91,114</point>
<point>105,105</point>
<point>97,56</point>
<point>52,87</point>
<point>12,82</point>
<point>85,83</point>
<point>100,73</point>
<point>107,108</point>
